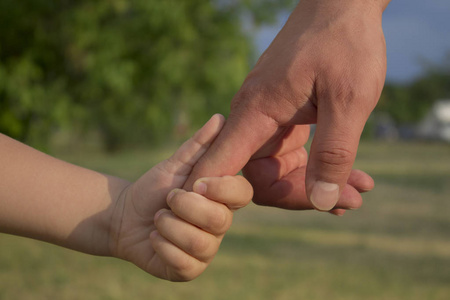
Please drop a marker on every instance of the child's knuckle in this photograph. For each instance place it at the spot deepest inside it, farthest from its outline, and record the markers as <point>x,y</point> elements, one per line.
<point>184,270</point>
<point>178,202</point>
<point>163,220</point>
<point>219,221</point>
<point>183,265</point>
<point>198,245</point>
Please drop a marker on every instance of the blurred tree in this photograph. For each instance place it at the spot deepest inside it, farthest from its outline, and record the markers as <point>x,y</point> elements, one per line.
<point>131,70</point>
<point>31,99</point>
<point>408,103</point>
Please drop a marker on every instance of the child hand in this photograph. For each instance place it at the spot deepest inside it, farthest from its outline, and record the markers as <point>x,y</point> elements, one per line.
<point>175,235</point>
<point>188,236</point>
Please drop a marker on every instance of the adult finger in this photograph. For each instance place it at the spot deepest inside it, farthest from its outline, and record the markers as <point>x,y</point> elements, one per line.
<point>243,134</point>
<point>361,181</point>
<point>333,152</point>
<point>337,212</point>
<point>279,182</point>
<point>285,140</point>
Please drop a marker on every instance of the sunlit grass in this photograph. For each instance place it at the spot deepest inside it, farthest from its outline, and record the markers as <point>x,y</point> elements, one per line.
<point>396,246</point>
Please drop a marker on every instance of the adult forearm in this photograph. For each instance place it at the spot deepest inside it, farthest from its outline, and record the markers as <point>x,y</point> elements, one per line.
<point>47,199</point>
<point>334,7</point>
<point>382,4</point>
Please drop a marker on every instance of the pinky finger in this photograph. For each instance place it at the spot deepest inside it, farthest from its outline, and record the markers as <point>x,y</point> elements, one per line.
<point>337,212</point>
<point>175,264</point>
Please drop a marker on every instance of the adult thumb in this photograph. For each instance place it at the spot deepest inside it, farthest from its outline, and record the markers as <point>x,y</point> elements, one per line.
<point>242,135</point>
<point>332,155</point>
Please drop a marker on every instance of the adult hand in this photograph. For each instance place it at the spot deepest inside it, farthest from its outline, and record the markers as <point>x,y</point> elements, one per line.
<point>326,66</point>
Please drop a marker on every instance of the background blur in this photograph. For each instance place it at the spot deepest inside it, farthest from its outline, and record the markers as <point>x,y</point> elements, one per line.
<point>116,85</point>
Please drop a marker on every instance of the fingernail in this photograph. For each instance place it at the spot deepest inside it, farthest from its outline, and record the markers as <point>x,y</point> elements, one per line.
<point>324,195</point>
<point>158,213</point>
<point>171,194</point>
<point>153,234</point>
<point>200,187</point>
<point>338,213</point>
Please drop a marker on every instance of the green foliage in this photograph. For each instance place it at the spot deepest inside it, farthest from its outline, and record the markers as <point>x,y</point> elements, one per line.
<point>409,103</point>
<point>129,70</point>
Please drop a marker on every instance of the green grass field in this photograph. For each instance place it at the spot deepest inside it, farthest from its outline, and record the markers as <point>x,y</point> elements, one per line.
<point>397,246</point>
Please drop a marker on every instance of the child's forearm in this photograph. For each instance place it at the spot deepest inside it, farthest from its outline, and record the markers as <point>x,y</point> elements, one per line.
<point>47,199</point>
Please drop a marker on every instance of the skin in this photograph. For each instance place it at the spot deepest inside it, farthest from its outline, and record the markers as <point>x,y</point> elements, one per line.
<point>327,67</point>
<point>168,232</point>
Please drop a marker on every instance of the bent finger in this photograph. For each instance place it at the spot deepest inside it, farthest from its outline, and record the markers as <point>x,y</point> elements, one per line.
<point>332,154</point>
<point>288,191</point>
<point>189,238</point>
<point>337,212</point>
<point>208,215</point>
<point>242,135</point>
<point>361,181</point>
<point>233,191</point>
<point>178,265</point>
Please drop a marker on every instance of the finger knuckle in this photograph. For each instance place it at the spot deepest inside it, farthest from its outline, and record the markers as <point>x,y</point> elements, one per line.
<point>249,90</point>
<point>198,245</point>
<point>336,157</point>
<point>218,221</point>
<point>178,202</point>
<point>350,93</point>
<point>163,220</point>
<point>184,270</point>
<point>256,94</point>
<point>344,93</point>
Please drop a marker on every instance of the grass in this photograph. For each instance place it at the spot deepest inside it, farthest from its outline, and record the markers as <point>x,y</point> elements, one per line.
<point>396,246</point>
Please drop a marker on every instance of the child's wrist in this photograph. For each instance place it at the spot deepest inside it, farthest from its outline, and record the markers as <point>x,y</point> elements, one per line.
<point>112,222</point>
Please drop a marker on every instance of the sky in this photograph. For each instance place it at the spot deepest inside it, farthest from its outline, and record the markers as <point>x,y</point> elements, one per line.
<point>416,31</point>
